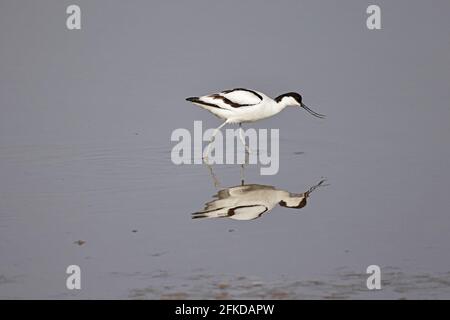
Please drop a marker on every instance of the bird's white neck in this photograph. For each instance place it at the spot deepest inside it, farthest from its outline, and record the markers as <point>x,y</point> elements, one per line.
<point>280,105</point>
<point>287,101</point>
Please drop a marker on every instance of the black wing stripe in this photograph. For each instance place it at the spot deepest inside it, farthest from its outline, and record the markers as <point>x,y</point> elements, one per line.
<point>204,214</point>
<point>243,89</point>
<point>231,212</point>
<point>197,100</point>
<point>229,102</point>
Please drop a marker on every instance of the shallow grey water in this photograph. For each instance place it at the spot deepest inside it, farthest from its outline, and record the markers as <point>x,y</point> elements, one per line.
<point>86,120</point>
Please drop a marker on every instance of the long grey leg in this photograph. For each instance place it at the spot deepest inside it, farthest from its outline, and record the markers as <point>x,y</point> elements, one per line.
<point>247,154</point>
<point>206,154</point>
<point>213,175</point>
<point>242,174</point>
<point>241,136</point>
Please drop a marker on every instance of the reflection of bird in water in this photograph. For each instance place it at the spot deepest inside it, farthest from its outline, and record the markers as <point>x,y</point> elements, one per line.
<point>248,202</point>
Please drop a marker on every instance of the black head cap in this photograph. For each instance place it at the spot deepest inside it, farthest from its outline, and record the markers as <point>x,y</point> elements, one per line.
<point>298,205</point>
<point>294,95</point>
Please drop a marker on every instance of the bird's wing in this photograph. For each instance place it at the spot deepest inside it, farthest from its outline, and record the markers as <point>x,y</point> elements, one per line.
<point>229,99</point>
<point>238,190</point>
<point>241,190</point>
<point>216,100</point>
<point>242,197</point>
<point>243,212</point>
<point>212,102</point>
<point>212,213</point>
<point>248,212</point>
<point>242,97</point>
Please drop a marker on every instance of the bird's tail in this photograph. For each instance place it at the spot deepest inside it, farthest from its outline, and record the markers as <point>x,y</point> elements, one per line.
<point>215,213</point>
<point>193,99</point>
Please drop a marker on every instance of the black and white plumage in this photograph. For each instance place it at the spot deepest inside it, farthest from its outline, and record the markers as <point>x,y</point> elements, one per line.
<point>251,201</point>
<point>242,105</point>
